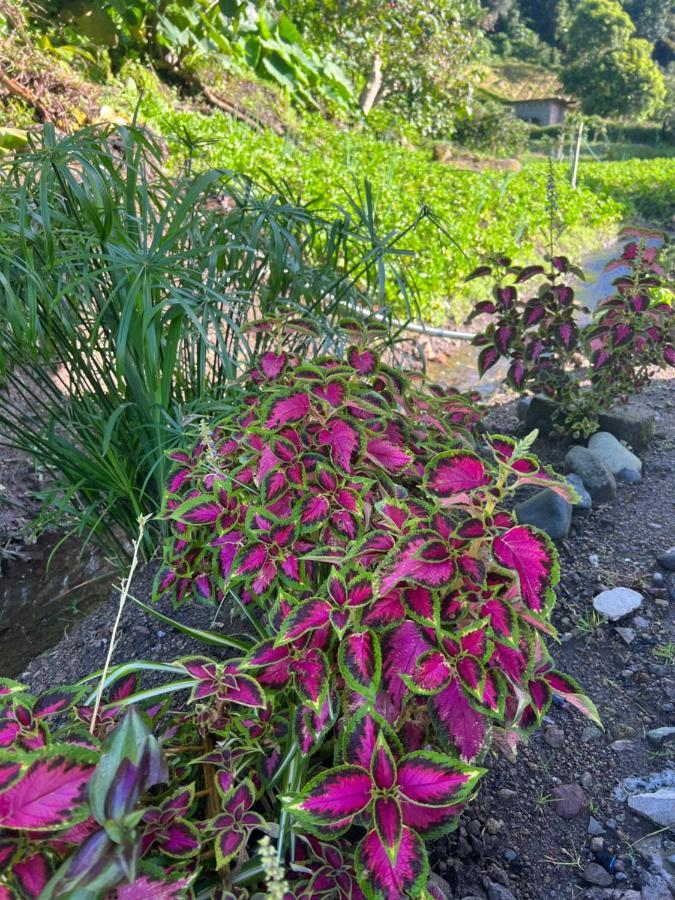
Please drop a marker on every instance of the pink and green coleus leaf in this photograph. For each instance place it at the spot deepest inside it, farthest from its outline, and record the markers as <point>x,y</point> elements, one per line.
<point>457,723</point>
<point>147,886</point>
<point>455,473</point>
<point>289,409</point>
<point>304,618</point>
<point>337,795</point>
<point>384,878</point>
<point>310,677</point>
<point>531,554</point>
<point>32,873</point>
<point>566,688</point>
<point>48,793</point>
<point>360,661</point>
<point>343,441</point>
<point>435,779</point>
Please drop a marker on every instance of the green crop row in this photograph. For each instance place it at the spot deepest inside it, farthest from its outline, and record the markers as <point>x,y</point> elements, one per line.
<point>479,212</point>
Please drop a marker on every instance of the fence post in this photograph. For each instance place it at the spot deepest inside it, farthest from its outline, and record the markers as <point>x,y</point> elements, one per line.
<point>577,151</point>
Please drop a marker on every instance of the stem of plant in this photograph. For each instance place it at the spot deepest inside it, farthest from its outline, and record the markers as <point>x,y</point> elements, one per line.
<point>142,521</point>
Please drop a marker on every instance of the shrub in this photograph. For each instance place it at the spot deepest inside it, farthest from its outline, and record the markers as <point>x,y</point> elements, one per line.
<point>537,331</point>
<point>397,618</point>
<point>123,291</point>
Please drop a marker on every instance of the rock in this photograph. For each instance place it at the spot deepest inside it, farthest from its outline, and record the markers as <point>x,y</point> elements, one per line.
<point>522,407</point>
<point>548,511</point>
<point>597,845</point>
<point>659,806</point>
<point>629,476</point>
<point>493,826</point>
<point>507,794</point>
<point>554,737</point>
<point>595,828</point>
<point>539,414</point>
<point>667,559</point>
<point>586,781</point>
<point>498,892</point>
<point>597,478</point>
<point>617,603</point>
<point>624,746</point>
<point>568,800</point>
<point>595,874</point>
<point>659,737</point>
<point>627,635</point>
<point>641,623</point>
<point>585,499</point>
<point>442,888</point>
<point>630,423</point>
<point>590,733</point>
<point>615,456</point>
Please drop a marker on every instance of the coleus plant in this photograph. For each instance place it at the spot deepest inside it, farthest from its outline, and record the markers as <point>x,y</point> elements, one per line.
<point>394,619</point>
<point>581,368</point>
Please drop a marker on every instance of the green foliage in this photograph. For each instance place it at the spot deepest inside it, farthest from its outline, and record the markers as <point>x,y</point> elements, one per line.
<point>123,293</point>
<point>493,128</point>
<point>611,71</point>
<point>645,188</point>
<point>621,80</point>
<point>478,210</point>
<point>426,49</point>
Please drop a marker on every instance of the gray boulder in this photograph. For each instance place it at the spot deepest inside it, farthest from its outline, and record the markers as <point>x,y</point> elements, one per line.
<point>598,480</point>
<point>613,453</point>
<point>631,423</point>
<point>585,499</point>
<point>548,511</point>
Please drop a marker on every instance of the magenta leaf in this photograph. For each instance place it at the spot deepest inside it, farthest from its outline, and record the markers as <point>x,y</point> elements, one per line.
<point>454,473</point>
<point>531,554</point>
<point>390,879</point>
<point>487,358</point>
<point>343,441</point>
<point>302,619</point>
<point>457,722</point>
<point>388,455</point>
<point>338,794</point>
<point>146,887</point>
<point>56,700</point>
<point>32,873</point>
<point>389,823</point>
<point>48,793</point>
<point>360,661</point>
<point>430,821</point>
<point>432,779</point>
<point>288,409</point>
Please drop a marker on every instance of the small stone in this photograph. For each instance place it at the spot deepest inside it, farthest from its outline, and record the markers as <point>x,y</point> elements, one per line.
<point>667,559</point>
<point>641,623</point>
<point>568,800</point>
<point>510,856</point>
<point>507,794</point>
<point>628,476</point>
<point>597,478</point>
<point>594,827</point>
<point>160,633</point>
<point>585,500</point>
<point>554,737</point>
<point>613,453</point>
<point>594,559</point>
<point>659,737</point>
<point>623,731</point>
<point>548,511</point>
<point>626,673</point>
<point>597,845</point>
<point>624,746</point>
<point>595,874</point>
<point>498,892</point>
<point>493,826</point>
<point>627,635</point>
<point>586,781</point>
<point>659,806</point>
<point>443,889</point>
<point>658,580</point>
<point>590,733</point>
<point>617,603</point>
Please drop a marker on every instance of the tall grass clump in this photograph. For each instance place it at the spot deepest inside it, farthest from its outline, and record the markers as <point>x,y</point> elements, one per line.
<point>122,295</point>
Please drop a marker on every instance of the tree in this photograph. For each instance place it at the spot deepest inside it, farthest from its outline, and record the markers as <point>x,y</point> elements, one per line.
<point>597,27</point>
<point>548,18</point>
<point>417,54</point>
<point>607,67</point>
<point>622,81</point>
<point>654,19</point>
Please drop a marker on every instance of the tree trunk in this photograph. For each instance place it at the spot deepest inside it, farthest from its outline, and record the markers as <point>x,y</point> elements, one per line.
<point>373,86</point>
